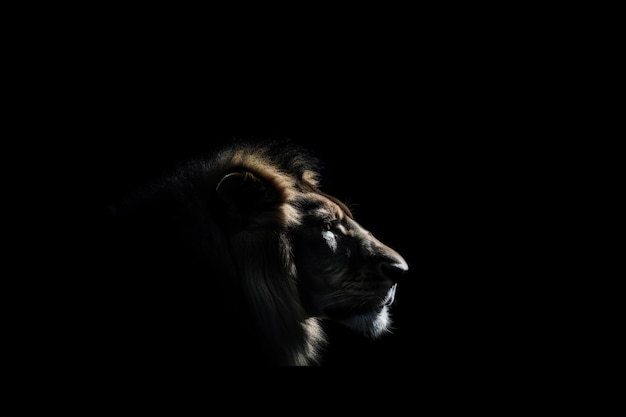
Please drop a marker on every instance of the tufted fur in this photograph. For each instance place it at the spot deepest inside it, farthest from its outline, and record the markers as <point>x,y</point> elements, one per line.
<point>241,254</point>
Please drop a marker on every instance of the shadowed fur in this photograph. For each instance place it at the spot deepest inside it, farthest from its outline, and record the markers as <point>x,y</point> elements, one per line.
<point>243,255</point>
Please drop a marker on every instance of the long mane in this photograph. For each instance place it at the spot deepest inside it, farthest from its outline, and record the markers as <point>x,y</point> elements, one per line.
<point>253,280</point>
<point>263,258</point>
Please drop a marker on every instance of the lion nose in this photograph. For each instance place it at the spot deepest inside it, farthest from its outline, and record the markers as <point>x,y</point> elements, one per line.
<point>393,267</point>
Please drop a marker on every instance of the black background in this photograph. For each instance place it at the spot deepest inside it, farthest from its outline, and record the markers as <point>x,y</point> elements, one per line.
<point>473,156</point>
<point>467,183</point>
<point>372,164</point>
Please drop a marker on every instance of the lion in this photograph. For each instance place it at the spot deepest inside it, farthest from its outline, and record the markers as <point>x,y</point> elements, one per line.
<point>243,255</point>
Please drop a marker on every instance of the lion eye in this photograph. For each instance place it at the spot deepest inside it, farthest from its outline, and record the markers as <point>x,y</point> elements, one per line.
<point>335,226</point>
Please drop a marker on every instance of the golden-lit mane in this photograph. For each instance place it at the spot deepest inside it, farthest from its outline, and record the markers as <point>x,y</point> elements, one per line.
<point>256,227</point>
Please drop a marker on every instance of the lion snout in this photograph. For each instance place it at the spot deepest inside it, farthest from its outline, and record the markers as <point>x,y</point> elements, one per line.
<point>392,266</point>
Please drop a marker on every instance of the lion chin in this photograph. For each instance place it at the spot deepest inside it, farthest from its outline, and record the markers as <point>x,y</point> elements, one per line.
<point>373,323</point>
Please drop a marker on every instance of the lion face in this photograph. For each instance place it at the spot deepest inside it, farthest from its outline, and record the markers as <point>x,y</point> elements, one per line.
<point>345,273</point>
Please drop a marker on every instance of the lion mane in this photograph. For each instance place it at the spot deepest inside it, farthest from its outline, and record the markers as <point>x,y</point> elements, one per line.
<point>242,255</point>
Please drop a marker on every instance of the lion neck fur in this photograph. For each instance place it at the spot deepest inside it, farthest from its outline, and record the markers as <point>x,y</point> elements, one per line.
<point>263,264</point>
<point>288,334</point>
<point>255,313</point>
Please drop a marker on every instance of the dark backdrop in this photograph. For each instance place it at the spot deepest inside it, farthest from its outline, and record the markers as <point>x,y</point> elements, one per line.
<point>369,160</point>
<point>465,184</point>
<point>471,189</point>
<point>425,178</point>
<point>472,160</point>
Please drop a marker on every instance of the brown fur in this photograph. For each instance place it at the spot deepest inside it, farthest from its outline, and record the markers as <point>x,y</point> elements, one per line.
<point>255,257</point>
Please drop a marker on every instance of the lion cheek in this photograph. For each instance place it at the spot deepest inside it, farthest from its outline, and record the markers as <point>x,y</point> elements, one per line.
<point>331,240</point>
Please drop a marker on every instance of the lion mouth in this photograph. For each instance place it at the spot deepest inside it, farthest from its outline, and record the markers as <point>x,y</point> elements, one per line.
<point>373,305</point>
<point>391,296</point>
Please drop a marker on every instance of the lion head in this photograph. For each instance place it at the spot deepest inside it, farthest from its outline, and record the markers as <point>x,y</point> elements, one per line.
<point>279,255</point>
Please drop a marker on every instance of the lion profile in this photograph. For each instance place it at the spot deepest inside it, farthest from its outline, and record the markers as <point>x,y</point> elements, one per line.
<point>242,255</point>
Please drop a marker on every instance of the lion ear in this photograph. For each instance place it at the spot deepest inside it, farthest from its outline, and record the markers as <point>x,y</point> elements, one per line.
<point>245,194</point>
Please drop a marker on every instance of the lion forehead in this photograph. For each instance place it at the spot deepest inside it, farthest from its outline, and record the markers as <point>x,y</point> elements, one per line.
<point>316,205</point>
